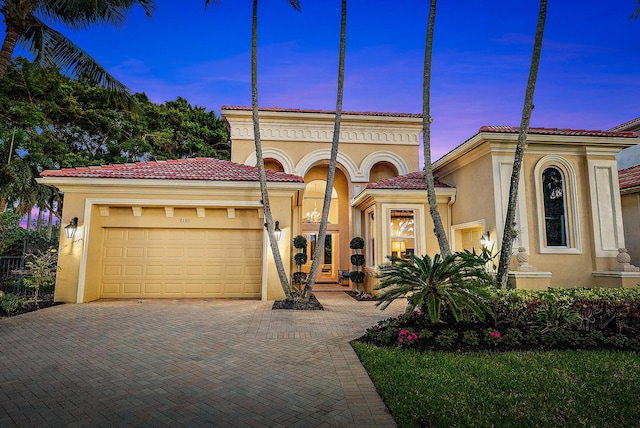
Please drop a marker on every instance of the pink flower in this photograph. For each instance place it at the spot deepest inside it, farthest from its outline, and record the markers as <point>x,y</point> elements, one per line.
<point>495,334</point>
<point>401,340</point>
<point>376,326</point>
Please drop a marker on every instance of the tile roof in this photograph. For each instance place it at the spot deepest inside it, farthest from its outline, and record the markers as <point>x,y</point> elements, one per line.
<point>294,110</point>
<point>207,169</point>
<point>629,177</point>
<point>412,181</point>
<point>629,125</point>
<point>560,131</point>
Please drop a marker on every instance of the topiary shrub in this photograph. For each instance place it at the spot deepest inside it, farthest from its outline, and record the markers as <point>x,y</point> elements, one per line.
<point>300,242</point>
<point>356,243</point>
<point>357,259</point>
<point>300,259</point>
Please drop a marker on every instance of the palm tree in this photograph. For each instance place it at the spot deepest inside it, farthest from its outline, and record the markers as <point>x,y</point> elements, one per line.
<point>508,235</point>
<point>27,22</point>
<point>262,175</point>
<point>457,282</point>
<point>331,174</point>
<point>443,243</point>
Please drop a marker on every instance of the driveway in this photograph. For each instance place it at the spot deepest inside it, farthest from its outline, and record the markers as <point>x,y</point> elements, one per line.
<point>189,362</point>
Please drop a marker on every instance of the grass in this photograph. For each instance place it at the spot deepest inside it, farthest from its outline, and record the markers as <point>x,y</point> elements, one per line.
<point>511,389</point>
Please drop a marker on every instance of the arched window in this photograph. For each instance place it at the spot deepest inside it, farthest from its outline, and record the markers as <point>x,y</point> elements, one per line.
<point>555,208</point>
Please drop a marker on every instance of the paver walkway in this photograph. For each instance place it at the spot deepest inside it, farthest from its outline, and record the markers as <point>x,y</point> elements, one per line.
<point>189,363</point>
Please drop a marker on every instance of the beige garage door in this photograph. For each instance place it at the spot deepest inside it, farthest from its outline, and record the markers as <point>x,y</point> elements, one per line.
<point>181,263</point>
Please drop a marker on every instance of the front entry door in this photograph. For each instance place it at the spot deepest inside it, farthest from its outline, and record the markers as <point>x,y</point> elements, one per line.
<point>328,270</point>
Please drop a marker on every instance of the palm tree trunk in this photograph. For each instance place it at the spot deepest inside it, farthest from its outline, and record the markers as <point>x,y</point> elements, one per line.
<point>8,46</point>
<point>441,235</point>
<point>262,175</point>
<point>508,235</point>
<point>318,254</point>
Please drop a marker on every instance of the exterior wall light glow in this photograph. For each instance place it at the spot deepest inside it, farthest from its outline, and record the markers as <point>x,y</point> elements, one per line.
<point>277,231</point>
<point>484,240</point>
<point>70,229</point>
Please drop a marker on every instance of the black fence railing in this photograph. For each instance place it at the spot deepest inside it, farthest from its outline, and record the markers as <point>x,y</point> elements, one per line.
<point>10,280</point>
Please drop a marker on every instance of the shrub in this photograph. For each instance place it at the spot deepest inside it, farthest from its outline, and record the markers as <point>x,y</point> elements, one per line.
<point>357,259</point>
<point>300,259</point>
<point>356,276</point>
<point>356,243</point>
<point>9,303</point>
<point>433,284</point>
<point>300,242</point>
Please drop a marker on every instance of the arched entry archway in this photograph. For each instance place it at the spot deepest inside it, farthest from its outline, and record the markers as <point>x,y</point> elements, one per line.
<point>336,254</point>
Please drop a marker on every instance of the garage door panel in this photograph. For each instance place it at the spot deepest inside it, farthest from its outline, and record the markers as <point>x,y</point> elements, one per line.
<point>132,288</point>
<point>181,263</point>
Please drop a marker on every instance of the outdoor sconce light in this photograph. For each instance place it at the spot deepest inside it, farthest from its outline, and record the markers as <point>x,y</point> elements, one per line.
<point>277,231</point>
<point>70,229</point>
<point>484,240</point>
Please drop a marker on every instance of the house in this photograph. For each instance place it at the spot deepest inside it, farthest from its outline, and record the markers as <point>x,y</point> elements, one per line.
<point>194,228</point>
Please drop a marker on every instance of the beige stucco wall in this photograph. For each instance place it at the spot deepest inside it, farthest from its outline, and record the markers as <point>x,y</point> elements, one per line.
<point>81,257</point>
<point>300,139</point>
<point>631,218</point>
<point>591,196</point>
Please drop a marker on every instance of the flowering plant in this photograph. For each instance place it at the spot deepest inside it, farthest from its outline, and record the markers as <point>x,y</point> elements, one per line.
<point>492,337</point>
<point>406,337</point>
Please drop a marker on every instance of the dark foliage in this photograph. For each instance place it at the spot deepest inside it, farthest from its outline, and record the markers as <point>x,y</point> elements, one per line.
<point>582,319</point>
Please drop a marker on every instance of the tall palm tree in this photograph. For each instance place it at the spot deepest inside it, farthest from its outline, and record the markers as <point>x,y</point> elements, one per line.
<point>28,22</point>
<point>262,175</point>
<point>331,174</point>
<point>443,243</point>
<point>508,235</point>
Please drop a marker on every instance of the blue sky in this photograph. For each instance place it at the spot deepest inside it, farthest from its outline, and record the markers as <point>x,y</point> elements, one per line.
<point>589,72</point>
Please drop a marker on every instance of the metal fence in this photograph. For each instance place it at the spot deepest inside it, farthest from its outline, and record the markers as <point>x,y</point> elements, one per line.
<point>10,281</point>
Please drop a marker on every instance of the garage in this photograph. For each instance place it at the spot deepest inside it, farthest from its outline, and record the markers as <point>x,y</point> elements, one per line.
<point>186,228</point>
<point>178,263</point>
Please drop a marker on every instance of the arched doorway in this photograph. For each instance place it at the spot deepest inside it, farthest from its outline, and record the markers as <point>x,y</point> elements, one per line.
<point>336,254</point>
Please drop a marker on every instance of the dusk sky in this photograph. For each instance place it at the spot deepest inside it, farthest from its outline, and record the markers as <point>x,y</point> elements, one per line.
<point>589,74</point>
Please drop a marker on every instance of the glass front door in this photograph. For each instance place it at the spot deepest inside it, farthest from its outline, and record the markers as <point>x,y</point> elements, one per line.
<point>328,270</point>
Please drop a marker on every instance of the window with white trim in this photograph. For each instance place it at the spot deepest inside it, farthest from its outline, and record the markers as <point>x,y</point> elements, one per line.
<point>370,239</point>
<point>555,208</point>
<point>402,232</point>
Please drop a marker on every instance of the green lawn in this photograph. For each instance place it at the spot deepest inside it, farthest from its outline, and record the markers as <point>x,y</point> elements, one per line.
<point>512,389</point>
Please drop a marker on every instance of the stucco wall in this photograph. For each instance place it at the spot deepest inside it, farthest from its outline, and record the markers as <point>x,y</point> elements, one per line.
<point>631,216</point>
<point>202,208</point>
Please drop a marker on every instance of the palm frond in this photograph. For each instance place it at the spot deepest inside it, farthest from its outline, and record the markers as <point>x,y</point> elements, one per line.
<point>81,14</point>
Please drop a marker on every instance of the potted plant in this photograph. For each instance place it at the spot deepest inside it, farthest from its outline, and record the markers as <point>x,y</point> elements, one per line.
<point>357,261</point>
<point>300,258</point>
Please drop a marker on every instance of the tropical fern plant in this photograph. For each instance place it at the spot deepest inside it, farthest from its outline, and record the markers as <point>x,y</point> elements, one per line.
<point>457,282</point>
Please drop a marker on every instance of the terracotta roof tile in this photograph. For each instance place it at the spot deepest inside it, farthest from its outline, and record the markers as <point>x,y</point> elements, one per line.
<point>560,131</point>
<point>631,124</point>
<point>294,110</point>
<point>411,181</point>
<point>629,177</point>
<point>207,169</point>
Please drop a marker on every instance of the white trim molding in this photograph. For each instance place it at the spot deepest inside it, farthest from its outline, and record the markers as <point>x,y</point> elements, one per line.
<point>276,154</point>
<point>574,244</point>
<point>606,207</point>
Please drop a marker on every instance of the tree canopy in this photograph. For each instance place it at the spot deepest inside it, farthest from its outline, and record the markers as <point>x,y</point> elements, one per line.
<point>49,120</point>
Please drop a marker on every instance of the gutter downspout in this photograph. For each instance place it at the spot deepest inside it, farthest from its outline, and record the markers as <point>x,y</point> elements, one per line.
<point>452,200</point>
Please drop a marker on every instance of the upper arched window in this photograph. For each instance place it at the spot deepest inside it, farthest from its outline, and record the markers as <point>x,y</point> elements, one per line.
<point>555,207</point>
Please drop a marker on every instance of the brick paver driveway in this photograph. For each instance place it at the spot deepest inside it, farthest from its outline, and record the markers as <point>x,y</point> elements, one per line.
<point>189,362</point>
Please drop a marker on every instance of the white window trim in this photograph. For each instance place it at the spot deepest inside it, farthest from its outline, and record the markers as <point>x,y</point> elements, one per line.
<point>368,251</point>
<point>418,222</point>
<point>569,176</point>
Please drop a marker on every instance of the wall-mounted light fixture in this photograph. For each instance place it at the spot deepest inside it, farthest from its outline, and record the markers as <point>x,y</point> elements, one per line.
<point>485,238</point>
<point>277,231</point>
<point>70,229</point>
